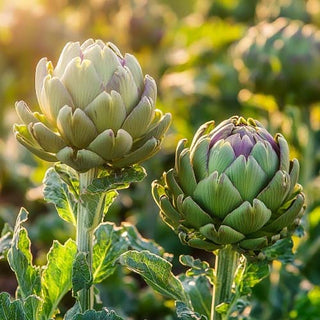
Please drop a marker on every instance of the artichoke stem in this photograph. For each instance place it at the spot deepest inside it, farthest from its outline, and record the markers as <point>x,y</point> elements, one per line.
<point>225,268</point>
<point>84,238</point>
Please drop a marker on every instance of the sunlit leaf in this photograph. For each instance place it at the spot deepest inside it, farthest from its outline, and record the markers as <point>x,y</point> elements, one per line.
<point>20,260</point>
<point>56,276</point>
<point>156,271</point>
<point>81,274</point>
<point>117,180</point>
<point>97,315</point>
<point>56,191</point>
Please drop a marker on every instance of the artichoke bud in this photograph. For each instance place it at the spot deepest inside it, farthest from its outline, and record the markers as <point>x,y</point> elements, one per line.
<point>97,108</point>
<point>234,185</point>
<point>281,58</point>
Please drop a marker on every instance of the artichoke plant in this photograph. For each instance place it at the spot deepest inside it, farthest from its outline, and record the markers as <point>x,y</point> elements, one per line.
<point>97,109</point>
<point>282,59</point>
<point>235,185</point>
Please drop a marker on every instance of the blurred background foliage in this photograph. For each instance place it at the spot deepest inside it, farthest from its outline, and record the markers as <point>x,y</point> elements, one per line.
<point>211,60</point>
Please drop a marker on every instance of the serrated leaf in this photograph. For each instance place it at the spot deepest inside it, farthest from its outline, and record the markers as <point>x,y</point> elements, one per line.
<point>199,290</point>
<point>97,315</point>
<point>11,310</point>
<point>96,205</point>
<point>57,275</point>
<point>81,274</point>
<point>185,313</point>
<point>20,260</point>
<point>56,191</point>
<point>117,180</point>
<point>281,250</point>
<point>69,176</point>
<point>31,307</point>
<point>197,267</point>
<point>111,241</point>
<point>156,271</point>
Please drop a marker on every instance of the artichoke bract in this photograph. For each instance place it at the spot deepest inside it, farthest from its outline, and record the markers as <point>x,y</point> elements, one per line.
<point>96,108</point>
<point>234,185</point>
<point>281,58</point>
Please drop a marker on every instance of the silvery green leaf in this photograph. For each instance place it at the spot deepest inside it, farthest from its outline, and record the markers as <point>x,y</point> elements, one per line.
<point>81,274</point>
<point>111,241</point>
<point>20,260</point>
<point>5,240</point>
<point>185,313</point>
<point>11,310</point>
<point>56,276</point>
<point>117,180</point>
<point>200,292</point>
<point>157,273</point>
<point>56,191</point>
<point>71,313</point>
<point>31,306</point>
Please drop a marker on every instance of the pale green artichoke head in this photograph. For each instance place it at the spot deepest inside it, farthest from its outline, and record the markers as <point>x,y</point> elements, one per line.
<point>234,185</point>
<point>96,108</point>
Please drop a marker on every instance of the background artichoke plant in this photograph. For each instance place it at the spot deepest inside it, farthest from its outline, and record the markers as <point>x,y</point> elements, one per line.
<point>234,185</point>
<point>97,108</point>
<point>282,59</point>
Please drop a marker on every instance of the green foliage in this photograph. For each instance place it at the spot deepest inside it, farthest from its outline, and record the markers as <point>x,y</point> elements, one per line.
<point>57,191</point>
<point>156,271</point>
<point>81,274</point>
<point>97,315</point>
<point>184,313</point>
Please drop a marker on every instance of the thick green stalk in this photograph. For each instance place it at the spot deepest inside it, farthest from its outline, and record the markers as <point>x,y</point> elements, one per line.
<point>225,267</point>
<point>84,238</point>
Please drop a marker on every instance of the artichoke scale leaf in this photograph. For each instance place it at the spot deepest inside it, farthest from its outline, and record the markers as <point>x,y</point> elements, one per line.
<point>137,122</point>
<point>187,179</point>
<point>254,244</point>
<point>224,235</point>
<point>287,218</point>
<point>276,191</point>
<point>41,73</point>
<point>248,218</point>
<point>173,186</point>
<point>202,131</point>
<point>266,157</point>
<point>123,143</point>
<point>106,112</point>
<point>284,152</point>
<point>247,176</point>
<point>180,147</point>
<point>122,82</point>
<point>169,211</point>
<point>202,244</point>
<point>55,97</point>
<point>70,51</point>
<point>132,63</point>
<point>81,80</point>
<point>158,190</point>
<point>155,130</point>
<point>150,89</point>
<point>199,158</point>
<point>139,155</point>
<point>47,139</point>
<point>25,113</point>
<point>35,150</point>
<point>194,216</point>
<point>81,160</point>
<point>217,195</point>
<point>221,156</point>
<point>294,175</point>
<point>103,144</point>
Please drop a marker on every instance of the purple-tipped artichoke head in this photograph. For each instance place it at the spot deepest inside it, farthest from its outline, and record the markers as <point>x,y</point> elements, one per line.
<point>234,185</point>
<point>97,108</point>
